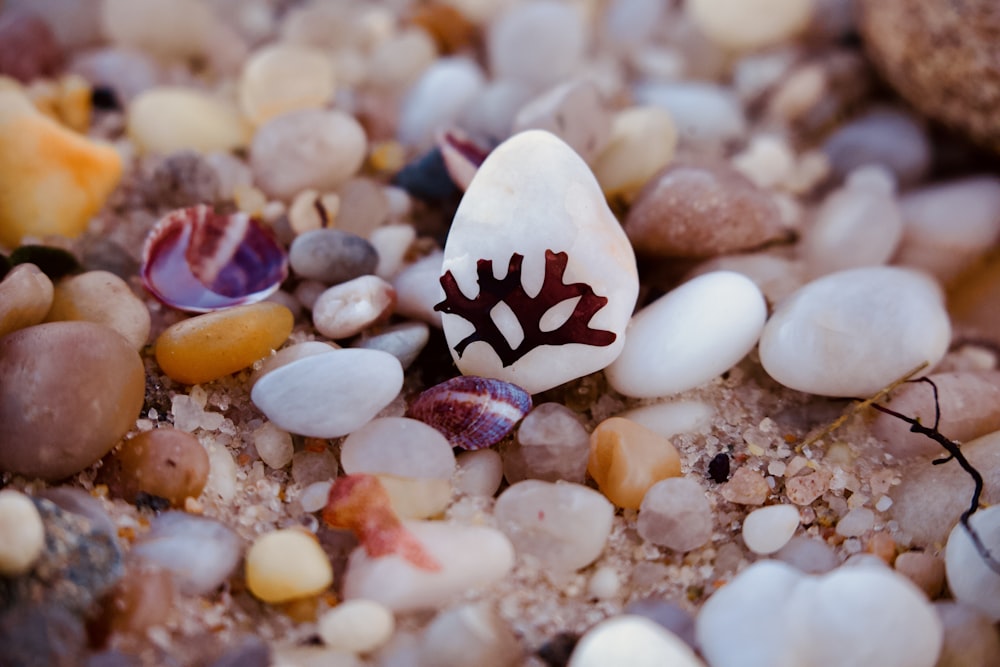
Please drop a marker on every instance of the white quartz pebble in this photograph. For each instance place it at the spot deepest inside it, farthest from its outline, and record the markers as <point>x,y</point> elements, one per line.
<point>472,634</point>
<point>632,640</point>
<point>273,445</point>
<point>22,533</point>
<point>675,514</point>
<point>643,140</point>
<point>971,580</point>
<point>768,529</point>
<point>391,243</point>
<point>563,525</point>
<point>280,78</point>
<point>551,444</point>
<point>479,472</point>
<point>331,394</point>
<point>313,498</point>
<point>437,100</point>
<point>198,551</point>
<point>398,446</point>
<point>167,119</point>
<point>356,626</point>
<point>418,289</point>
<point>470,557</point>
<point>705,114</point>
<point>537,44</point>
<point>853,332</point>
<point>574,112</point>
<point>404,341</point>
<point>349,308</point>
<point>672,417</point>
<point>689,336</point>
<point>604,583</point>
<point>750,24</point>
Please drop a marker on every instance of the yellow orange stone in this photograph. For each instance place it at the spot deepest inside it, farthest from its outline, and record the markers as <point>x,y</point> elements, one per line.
<point>210,346</point>
<point>104,298</point>
<point>626,459</point>
<point>52,180</point>
<point>287,564</point>
<point>25,297</point>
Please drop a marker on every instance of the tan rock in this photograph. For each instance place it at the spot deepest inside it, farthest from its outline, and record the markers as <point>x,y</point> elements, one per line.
<point>25,297</point>
<point>104,298</point>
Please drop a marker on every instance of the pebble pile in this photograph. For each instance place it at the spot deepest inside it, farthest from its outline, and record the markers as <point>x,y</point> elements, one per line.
<point>493,332</point>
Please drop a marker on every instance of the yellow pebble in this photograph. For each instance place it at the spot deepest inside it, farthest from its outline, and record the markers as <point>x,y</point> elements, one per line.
<point>626,459</point>
<point>104,298</point>
<point>415,497</point>
<point>286,565</point>
<point>25,297</point>
<point>168,119</point>
<point>210,346</point>
<point>22,533</point>
<point>52,180</point>
<point>387,156</point>
<point>74,102</point>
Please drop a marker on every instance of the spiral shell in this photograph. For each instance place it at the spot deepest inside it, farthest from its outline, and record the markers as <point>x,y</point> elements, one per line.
<point>472,412</point>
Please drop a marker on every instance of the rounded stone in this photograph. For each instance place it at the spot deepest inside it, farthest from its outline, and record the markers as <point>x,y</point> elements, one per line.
<point>675,514</point>
<point>281,78</point>
<point>357,626</point>
<point>632,640</point>
<point>537,44</point>
<point>642,142</point>
<point>972,581</point>
<point>398,446</point>
<point>22,533</point>
<point>68,392</point>
<point>768,529</point>
<point>347,309</point>
<point>287,564</point>
<point>169,119</point>
<point>750,24</point>
<point>25,298</point>
<point>164,462</point>
<point>626,459</point>
<point>104,298</point>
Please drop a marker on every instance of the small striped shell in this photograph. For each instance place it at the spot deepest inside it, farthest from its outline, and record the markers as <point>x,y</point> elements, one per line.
<point>472,412</point>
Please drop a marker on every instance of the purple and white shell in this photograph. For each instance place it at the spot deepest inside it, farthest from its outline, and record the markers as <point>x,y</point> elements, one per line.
<point>472,412</point>
<point>197,260</point>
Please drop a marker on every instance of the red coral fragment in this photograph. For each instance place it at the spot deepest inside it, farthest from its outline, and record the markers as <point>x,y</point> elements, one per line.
<point>528,310</point>
<point>361,504</point>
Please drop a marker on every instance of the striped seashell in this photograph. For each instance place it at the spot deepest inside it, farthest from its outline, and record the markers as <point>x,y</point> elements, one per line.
<point>472,412</point>
<point>197,260</point>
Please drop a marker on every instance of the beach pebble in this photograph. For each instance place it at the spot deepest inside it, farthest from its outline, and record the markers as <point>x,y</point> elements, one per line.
<point>165,462</point>
<point>768,529</point>
<point>280,78</point>
<point>810,555</point>
<point>537,44</point>
<point>287,564</point>
<point>166,119</point>
<point>22,533</point>
<point>417,497</point>
<point>169,29</point>
<point>298,397</point>
<point>51,191</point>
<point>924,569</point>
<point>396,62</point>
<point>479,472</point>
<point>490,116</point>
<point>705,114</point>
<point>970,637</point>
<point>356,626</point>
<point>418,289</point>
<point>574,112</point>
<point>576,260</point>
<point>626,459</point>
<point>86,369</point>
<point>690,335</point>
<point>124,71</point>
<point>853,332</point>
<point>104,298</point>
<point>862,614</point>
<point>331,256</point>
<point>25,298</point>
<point>885,137</point>
<point>470,634</point>
<point>632,640</point>
<point>675,514</point>
<point>363,206</point>
<point>563,525</point>
<point>349,308</point>
<point>701,209</point>
<point>391,243</point>
<point>469,557</point>
<point>311,466</point>
<point>672,417</point>
<point>405,341</point>
<point>751,25</point>
<point>274,446</point>
<point>210,346</point>
<point>309,149</point>
<point>971,580</point>
<point>551,444</point>
<point>287,355</point>
<point>856,522</point>
<point>398,446</point>
<point>200,552</point>
<point>746,487</point>
<point>642,141</point>
<point>857,225</point>
<point>29,49</point>
<point>437,100</point>
<point>774,275</point>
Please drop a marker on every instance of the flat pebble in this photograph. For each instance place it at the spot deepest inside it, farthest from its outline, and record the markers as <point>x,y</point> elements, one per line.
<point>331,256</point>
<point>705,114</point>
<point>437,99</point>
<point>886,137</point>
<point>971,580</point>
<point>670,418</point>
<point>642,142</point>
<point>479,472</point>
<point>853,332</point>
<point>90,372</point>
<point>418,289</point>
<point>626,459</point>
<point>287,564</point>
<point>701,209</point>
<point>22,533</point>
<point>356,626</point>
<point>347,309</point>
<point>470,557</point>
<point>306,149</point>
<point>398,446</point>
<point>298,396</point>
<point>768,529</point>
<point>537,44</point>
<point>470,634</point>
<point>632,640</point>
<point>25,298</point>
<point>563,525</point>
<point>405,341</point>
<point>210,346</point>
<point>574,112</point>
<point>104,298</point>
<point>280,78</point>
<point>675,514</point>
<point>690,335</point>
<point>165,462</point>
<point>551,444</point>
<point>287,355</point>
<point>173,118</point>
<point>200,552</point>
<point>970,638</point>
<point>752,25</point>
<point>273,445</point>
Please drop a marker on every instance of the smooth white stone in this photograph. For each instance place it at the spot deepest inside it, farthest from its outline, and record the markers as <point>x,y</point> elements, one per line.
<point>856,522</point>
<point>534,194</point>
<point>574,112</point>
<point>749,24</point>
<point>689,336</point>
<point>946,227</point>
<point>470,557</point>
<point>675,514</point>
<point>970,578</point>
<point>287,355</point>
<point>772,615</point>
<point>551,444</point>
<point>349,308</point>
<point>479,472</point>
<point>438,99</point>
<point>329,395</point>
<point>704,113</point>
<point>274,446</point>
<point>673,417</point>
<point>473,634</point>
<point>313,498</point>
<point>22,533</point>
<point>853,332</point>
<point>811,555</point>
<point>604,584</point>
<point>200,552</point>
<point>391,243</point>
<point>418,289</point>
<point>563,525</point>
<point>356,626</point>
<point>537,44</point>
<point>404,341</point>
<point>768,529</point>
<point>632,640</point>
<point>398,446</point>
<point>776,276</point>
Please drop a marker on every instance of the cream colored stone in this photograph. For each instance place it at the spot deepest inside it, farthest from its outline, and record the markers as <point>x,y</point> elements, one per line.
<point>25,297</point>
<point>287,564</point>
<point>22,534</point>
<point>282,77</point>
<point>174,118</point>
<point>104,298</point>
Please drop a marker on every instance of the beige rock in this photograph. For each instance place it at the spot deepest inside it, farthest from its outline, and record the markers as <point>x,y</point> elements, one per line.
<point>643,140</point>
<point>280,78</point>
<point>287,564</point>
<point>173,118</point>
<point>104,298</point>
<point>25,297</point>
<point>22,534</point>
<point>746,487</point>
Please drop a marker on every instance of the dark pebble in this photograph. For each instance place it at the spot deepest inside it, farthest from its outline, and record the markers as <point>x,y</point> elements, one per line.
<point>34,635</point>
<point>556,651</point>
<point>718,468</point>
<point>332,256</point>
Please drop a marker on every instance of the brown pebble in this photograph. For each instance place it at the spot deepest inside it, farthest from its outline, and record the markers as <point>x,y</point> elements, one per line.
<point>450,29</point>
<point>28,49</point>
<point>104,298</point>
<point>142,599</point>
<point>164,462</point>
<point>25,298</point>
<point>883,546</point>
<point>700,209</point>
<point>68,392</point>
<point>923,569</point>
<point>746,487</point>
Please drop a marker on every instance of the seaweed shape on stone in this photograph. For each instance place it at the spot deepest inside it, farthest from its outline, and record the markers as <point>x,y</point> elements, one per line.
<point>527,309</point>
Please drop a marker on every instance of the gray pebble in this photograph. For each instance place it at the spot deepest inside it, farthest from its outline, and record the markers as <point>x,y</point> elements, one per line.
<point>404,341</point>
<point>332,256</point>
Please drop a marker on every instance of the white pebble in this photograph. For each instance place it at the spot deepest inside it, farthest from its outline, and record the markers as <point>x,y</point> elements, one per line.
<point>885,137</point>
<point>313,498</point>
<point>670,418</point>
<point>349,308</point>
<point>551,444</point>
<point>391,243</point>
<point>398,446</point>
<point>167,119</point>
<point>574,112</point>
<point>750,24</point>
<point>970,579</point>
<point>479,472</point>
<point>705,114</point>
<point>418,289</point>
<point>280,78</point>
<point>675,514</point>
<point>273,445</point>
<point>287,355</point>
<point>405,341</point>
<point>775,276</point>
<point>768,529</point>
<point>689,336</point>
<point>437,100</point>
<point>356,626</point>
<point>856,522</point>
<point>811,555</point>
<point>472,634</point>
<point>632,640</point>
<point>604,583</point>
<point>22,533</point>
<point>537,44</point>
<point>643,141</point>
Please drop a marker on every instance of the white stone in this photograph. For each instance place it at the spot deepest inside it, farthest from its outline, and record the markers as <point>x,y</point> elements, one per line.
<point>274,446</point>
<point>675,514</point>
<point>279,78</point>
<point>853,332</point>
<point>534,195</point>
<point>22,533</point>
<point>563,525</point>
<point>776,276</point>
<point>198,551</point>
<point>437,100</point>
<point>772,615</point>
<point>604,584</point>
<point>168,28</point>
<point>890,138</point>
<point>856,522</point>
<point>331,394</point>
<point>537,44</point>
<point>689,336</point>
<point>750,24</point>
<point>349,308</point>
<point>704,113</point>
<point>630,24</point>
<point>473,634</point>
<point>167,119</point>
<point>551,444</point>
<point>479,472</point>
<point>970,578</point>
<point>470,557</point>
<point>768,529</point>
<point>404,341</point>
<point>491,115</point>
<point>356,626</point>
<point>670,418</point>
<point>632,640</point>
<point>287,355</point>
<point>574,112</point>
<point>643,141</point>
<point>398,446</point>
<point>418,289</point>
<point>391,243</point>
<point>313,498</point>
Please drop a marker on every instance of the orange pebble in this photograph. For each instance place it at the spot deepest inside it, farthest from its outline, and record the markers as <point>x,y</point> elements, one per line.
<point>626,459</point>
